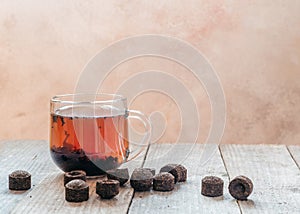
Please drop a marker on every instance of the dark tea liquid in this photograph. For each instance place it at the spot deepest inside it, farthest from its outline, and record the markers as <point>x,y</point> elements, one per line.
<point>81,140</point>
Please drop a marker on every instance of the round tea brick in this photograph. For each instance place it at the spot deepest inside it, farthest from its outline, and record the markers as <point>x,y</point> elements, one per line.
<point>76,191</point>
<point>163,181</point>
<point>107,189</point>
<point>212,186</point>
<point>121,175</point>
<point>177,170</point>
<point>240,187</point>
<point>152,170</point>
<point>183,173</point>
<point>76,174</point>
<point>141,179</point>
<point>19,180</point>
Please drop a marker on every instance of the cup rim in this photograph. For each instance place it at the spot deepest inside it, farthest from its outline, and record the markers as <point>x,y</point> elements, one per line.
<point>111,98</point>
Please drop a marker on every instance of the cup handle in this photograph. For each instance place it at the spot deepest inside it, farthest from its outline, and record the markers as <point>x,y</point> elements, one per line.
<point>145,141</point>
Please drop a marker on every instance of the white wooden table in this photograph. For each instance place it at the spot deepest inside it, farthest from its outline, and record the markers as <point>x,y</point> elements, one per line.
<point>274,170</point>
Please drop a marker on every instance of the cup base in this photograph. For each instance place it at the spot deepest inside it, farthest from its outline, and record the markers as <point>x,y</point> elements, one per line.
<point>68,161</point>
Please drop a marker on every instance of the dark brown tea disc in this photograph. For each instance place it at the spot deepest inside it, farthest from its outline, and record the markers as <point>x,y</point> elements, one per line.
<point>141,179</point>
<point>107,189</point>
<point>152,170</point>
<point>177,170</point>
<point>240,187</point>
<point>76,191</point>
<point>212,186</point>
<point>183,173</point>
<point>19,180</point>
<point>121,175</point>
<point>163,181</point>
<point>76,174</point>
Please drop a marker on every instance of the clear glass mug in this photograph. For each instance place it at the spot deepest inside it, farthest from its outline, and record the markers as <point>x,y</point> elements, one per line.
<point>90,132</point>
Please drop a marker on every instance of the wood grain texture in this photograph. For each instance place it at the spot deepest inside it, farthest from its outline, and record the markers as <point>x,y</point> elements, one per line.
<point>32,156</point>
<point>186,197</point>
<point>295,153</point>
<point>272,168</point>
<point>275,176</point>
<point>49,197</point>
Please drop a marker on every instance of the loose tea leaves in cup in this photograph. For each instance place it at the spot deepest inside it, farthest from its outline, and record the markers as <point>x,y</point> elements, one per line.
<point>89,132</point>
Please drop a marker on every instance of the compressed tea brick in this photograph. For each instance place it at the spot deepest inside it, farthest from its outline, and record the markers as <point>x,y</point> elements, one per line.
<point>163,181</point>
<point>77,191</point>
<point>107,188</point>
<point>183,173</point>
<point>19,180</point>
<point>141,179</point>
<point>177,170</point>
<point>121,175</point>
<point>212,186</point>
<point>240,187</point>
<point>76,174</point>
<point>152,170</point>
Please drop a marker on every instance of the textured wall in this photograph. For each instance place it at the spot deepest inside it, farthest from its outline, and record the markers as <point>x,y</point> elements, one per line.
<point>253,45</point>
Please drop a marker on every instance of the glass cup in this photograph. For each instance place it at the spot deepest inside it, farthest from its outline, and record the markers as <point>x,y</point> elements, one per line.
<point>90,132</point>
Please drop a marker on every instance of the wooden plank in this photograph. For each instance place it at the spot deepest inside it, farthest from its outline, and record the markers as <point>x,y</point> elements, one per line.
<point>186,197</point>
<point>32,156</point>
<point>275,176</point>
<point>49,197</point>
<point>295,152</point>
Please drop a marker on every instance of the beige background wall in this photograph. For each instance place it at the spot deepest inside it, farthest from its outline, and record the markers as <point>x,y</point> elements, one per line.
<point>253,45</point>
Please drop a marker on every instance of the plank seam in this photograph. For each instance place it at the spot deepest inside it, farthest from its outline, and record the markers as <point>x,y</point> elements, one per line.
<point>129,205</point>
<point>223,160</point>
<point>291,154</point>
